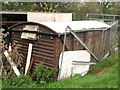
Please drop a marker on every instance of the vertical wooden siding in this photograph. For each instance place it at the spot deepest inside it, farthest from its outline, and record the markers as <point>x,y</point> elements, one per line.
<point>93,40</point>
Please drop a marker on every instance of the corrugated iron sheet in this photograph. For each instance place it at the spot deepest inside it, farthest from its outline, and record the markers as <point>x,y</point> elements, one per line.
<point>47,48</point>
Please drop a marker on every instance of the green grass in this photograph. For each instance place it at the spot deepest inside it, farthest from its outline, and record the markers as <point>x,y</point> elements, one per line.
<point>105,79</point>
<point>109,79</point>
<point>0,84</point>
<point>103,75</point>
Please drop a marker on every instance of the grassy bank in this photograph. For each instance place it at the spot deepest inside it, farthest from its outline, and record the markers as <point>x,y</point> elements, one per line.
<point>0,84</point>
<point>103,75</point>
<point>108,79</point>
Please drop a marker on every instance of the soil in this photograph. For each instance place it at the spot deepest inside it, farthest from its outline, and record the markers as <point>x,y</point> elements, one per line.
<point>103,70</point>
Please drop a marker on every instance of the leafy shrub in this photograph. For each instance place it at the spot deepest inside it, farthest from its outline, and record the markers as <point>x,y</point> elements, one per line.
<point>41,74</point>
<point>21,81</point>
<point>44,74</point>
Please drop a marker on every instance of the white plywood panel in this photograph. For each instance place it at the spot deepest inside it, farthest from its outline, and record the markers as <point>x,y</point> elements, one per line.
<point>63,17</point>
<point>67,68</point>
<point>40,17</point>
<point>51,17</point>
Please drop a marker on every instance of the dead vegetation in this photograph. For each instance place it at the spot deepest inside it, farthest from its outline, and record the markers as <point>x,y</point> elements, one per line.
<point>16,58</point>
<point>103,70</point>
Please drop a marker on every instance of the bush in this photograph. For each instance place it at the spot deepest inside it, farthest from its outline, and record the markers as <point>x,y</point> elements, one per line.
<point>44,74</point>
<point>21,81</point>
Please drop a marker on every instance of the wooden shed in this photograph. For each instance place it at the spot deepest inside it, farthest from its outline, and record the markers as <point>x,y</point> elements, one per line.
<point>49,39</point>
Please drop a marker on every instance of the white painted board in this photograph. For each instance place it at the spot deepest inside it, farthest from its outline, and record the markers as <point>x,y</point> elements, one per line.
<point>48,17</point>
<point>12,63</point>
<point>28,57</point>
<point>67,68</point>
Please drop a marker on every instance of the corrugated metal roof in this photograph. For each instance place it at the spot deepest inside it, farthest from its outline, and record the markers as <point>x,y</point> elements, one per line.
<point>60,27</point>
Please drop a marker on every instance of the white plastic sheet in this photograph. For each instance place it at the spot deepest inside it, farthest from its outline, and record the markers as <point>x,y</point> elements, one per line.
<point>60,27</point>
<point>68,68</point>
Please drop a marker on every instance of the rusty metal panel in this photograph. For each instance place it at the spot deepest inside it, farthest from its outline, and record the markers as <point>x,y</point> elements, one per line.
<point>22,47</point>
<point>46,49</point>
<point>43,50</point>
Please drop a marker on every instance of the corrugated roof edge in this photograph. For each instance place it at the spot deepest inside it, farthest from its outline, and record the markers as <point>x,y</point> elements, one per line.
<point>77,26</point>
<point>33,23</point>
